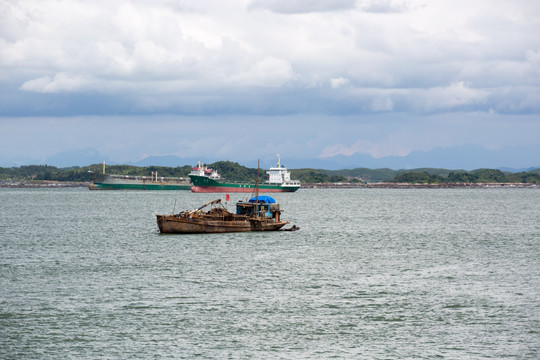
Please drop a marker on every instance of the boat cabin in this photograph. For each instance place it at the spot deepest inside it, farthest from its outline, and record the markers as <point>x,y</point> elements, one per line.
<point>265,206</point>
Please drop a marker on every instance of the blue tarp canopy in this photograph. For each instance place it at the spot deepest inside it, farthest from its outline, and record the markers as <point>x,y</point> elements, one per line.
<point>263,198</point>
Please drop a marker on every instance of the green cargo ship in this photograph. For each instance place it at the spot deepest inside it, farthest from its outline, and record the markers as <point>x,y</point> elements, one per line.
<point>127,182</point>
<point>207,180</point>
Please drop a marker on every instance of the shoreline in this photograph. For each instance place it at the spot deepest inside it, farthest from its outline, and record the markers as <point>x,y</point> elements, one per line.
<point>384,185</point>
<point>23,184</point>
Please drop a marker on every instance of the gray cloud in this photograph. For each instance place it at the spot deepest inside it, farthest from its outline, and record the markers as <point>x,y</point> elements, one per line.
<point>302,7</point>
<point>384,6</point>
<point>297,60</point>
<point>169,55</point>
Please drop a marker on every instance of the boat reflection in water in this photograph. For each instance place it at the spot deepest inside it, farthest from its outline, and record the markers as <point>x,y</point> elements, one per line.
<point>260,213</point>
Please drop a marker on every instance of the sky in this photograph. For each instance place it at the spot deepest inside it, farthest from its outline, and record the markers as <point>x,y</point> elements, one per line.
<point>245,79</point>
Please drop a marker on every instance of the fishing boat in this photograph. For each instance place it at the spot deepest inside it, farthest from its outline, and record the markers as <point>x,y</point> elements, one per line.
<point>105,181</point>
<point>207,180</point>
<point>260,213</point>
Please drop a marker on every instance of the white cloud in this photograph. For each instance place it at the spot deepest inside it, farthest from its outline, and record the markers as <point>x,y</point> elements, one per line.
<point>376,56</point>
<point>60,83</point>
<point>342,149</point>
<point>455,95</point>
<point>389,146</point>
<point>338,82</point>
<point>268,72</point>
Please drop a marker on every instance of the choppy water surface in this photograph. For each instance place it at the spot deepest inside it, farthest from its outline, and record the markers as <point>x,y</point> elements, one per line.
<point>372,273</point>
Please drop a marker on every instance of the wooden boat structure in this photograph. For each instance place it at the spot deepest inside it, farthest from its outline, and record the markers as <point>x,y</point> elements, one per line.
<point>260,213</point>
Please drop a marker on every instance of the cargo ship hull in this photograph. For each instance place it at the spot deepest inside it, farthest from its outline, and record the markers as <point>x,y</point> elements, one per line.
<point>102,186</point>
<point>203,184</point>
<point>245,188</point>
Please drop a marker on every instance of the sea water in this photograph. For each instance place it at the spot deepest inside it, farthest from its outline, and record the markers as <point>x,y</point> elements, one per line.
<point>371,274</point>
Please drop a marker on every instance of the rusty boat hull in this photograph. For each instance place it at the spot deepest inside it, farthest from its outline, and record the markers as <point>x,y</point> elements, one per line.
<point>174,224</point>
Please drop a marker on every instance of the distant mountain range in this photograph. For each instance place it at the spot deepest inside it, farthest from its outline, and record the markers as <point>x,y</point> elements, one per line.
<point>466,157</point>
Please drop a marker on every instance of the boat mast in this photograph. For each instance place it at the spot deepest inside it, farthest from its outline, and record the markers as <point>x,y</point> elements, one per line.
<point>257,187</point>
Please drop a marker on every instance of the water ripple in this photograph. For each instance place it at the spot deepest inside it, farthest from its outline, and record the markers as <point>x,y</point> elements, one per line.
<point>371,274</point>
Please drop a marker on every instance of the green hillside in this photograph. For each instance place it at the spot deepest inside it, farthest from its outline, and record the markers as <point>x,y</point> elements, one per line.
<point>235,172</point>
<point>475,176</point>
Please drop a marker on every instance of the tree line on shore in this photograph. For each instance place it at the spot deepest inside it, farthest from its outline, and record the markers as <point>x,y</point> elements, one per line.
<point>476,176</point>
<point>235,172</point>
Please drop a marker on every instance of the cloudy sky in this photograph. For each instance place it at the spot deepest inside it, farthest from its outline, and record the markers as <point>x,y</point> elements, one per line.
<point>244,79</point>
